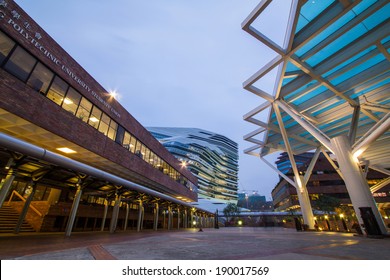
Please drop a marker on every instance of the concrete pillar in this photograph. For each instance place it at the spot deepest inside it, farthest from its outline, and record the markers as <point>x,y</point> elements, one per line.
<point>26,205</point>
<point>104,215</point>
<point>164,219</point>
<point>140,208</point>
<point>5,185</point>
<point>185,219</point>
<point>192,219</point>
<point>73,211</point>
<point>355,182</point>
<point>127,216</point>
<point>178,218</point>
<point>115,213</point>
<point>169,217</point>
<point>156,212</point>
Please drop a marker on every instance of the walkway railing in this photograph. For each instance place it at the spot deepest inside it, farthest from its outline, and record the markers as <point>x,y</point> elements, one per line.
<point>24,200</point>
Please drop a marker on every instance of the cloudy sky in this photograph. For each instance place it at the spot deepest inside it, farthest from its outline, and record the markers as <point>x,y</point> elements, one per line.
<point>174,63</point>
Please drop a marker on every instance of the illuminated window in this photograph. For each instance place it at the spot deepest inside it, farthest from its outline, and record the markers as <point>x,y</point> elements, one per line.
<point>57,90</point>
<point>112,130</point>
<point>84,109</point>
<point>71,101</point>
<point>104,124</point>
<point>94,118</point>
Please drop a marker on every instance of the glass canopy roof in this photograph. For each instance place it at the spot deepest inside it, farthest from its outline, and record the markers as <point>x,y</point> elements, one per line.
<point>336,58</point>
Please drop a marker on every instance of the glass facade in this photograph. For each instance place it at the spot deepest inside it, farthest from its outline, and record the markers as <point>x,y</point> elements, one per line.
<point>211,157</point>
<point>20,63</point>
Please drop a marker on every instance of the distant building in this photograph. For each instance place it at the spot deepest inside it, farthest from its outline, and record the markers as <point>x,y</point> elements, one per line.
<point>211,157</point>
<point>324,180</point>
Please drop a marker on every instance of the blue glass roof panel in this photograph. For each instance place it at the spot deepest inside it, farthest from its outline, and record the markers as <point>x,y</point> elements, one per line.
<point>360,68</point>
<point>369,89</point>
<point>310,10</point>
<point>301,89</point>
<point>378,17</point>
<point>337,44</point>
<point>348,61</point>
<point>363,5</point>
<point>327,32</point>
<point>309,95</point>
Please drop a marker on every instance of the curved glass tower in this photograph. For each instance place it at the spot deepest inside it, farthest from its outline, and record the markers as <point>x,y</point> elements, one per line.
<point>211,157</point>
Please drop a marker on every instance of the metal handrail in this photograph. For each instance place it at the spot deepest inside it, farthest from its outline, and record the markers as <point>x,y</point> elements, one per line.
<point>23,199</point>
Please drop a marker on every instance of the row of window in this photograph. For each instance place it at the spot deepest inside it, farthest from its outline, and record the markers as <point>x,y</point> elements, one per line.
<point>18,62</point>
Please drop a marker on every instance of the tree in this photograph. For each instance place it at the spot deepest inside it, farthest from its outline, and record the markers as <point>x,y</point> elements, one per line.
<point>231,210</point>
<point>326,203</point>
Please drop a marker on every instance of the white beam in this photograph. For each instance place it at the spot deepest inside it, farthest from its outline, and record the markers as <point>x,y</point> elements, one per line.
<point>318,134</point>
<point>380,169</point>
<point>311,166</point>
<point>373,134</point>
<point>380,185</point>
<point>354,125</point>
<point>332,163</point>
<point>285,177</point>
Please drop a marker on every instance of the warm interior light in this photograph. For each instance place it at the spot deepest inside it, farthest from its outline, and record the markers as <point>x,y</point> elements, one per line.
<point>68,101</point>
<point>341,215</point>
<point>178,197</point>
<point>356,155</point>
<point>66,150</point>
<point>93,119</point>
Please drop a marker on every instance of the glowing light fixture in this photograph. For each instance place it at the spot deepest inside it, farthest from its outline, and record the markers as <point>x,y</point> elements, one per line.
<point>66,150</point>
<point>356,155</point>
<point>68,101</point>
<point>93,119</point>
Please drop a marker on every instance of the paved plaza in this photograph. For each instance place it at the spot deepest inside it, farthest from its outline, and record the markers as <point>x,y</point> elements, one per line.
<point>212,244</point>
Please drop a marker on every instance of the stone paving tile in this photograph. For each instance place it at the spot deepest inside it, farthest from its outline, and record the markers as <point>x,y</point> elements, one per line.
<point>211,244</point>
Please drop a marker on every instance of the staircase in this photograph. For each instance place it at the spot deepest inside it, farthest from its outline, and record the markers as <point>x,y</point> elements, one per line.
<point>9,219</point>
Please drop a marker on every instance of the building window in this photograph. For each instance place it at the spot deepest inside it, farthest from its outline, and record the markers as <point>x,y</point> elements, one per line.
<point>40,78</point>
<point>133,142</point>
<point>94,119</point>
<point>57,90</point>
<point>71,101</point>
<point>84,109</point>
<point>20,64</point>
<point>104,123</point>
<point>126,140</point>
<point>112,130</point>
<point>6,45</point>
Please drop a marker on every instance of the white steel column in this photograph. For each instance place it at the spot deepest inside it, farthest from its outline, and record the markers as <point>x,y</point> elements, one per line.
<point>178,218</point>
<point>140,208</point>
<point>6,185</point>
<point>104,215</point>
<point>185,222</point>
<point>73,211</point>
<point>156,212</point>
<point>356,184</point>
<point>127,216</point>
<point>169,217</point>
<point>303,196</point>
<point>115,213</point>
<point>26,205</point>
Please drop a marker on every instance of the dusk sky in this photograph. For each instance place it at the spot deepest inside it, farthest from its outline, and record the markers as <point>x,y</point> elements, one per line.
<point>174,63</point>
